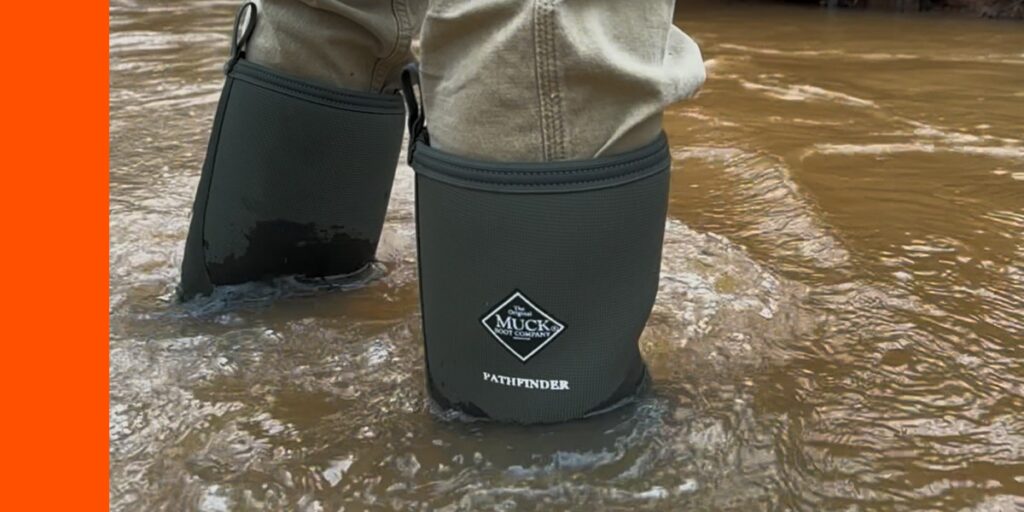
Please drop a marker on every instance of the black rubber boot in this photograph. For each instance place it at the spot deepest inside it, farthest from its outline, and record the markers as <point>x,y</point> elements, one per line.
<point>536,280</point>
<point>296,180</point>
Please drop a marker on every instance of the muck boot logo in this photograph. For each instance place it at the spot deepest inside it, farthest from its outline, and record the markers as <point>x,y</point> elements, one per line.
<point>521,326</point>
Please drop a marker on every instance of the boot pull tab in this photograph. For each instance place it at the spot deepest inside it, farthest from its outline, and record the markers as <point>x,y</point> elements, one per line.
<point>417,119</point>
<point>245,23</point>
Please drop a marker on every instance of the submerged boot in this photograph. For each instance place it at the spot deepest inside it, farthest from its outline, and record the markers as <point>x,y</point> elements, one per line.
<point>536,279</point>
<point>296,179</point>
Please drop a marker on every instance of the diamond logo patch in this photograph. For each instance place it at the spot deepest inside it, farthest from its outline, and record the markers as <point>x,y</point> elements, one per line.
<point>521,326</point>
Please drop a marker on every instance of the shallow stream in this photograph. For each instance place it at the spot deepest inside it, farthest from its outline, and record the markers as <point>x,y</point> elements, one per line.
<point>840,322</point>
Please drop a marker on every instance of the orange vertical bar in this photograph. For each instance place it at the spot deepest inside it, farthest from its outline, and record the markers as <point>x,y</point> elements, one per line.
<point>54,204</point>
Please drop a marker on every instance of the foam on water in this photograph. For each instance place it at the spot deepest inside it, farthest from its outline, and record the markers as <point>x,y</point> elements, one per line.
<point>804,92</point>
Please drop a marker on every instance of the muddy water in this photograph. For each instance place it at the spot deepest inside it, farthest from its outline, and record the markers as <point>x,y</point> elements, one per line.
<point>839,324</point>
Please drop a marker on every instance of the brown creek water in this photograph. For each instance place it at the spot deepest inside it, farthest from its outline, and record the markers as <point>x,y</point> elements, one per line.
<point>840,321</point>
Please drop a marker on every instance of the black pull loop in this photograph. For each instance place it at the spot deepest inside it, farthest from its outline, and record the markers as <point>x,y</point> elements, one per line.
<point>245,23</point>
<point>417,119</point>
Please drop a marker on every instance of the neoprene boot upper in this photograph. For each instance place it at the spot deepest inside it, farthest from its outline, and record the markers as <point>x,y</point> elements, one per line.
<point>296,179</point>
<point>537,279</point>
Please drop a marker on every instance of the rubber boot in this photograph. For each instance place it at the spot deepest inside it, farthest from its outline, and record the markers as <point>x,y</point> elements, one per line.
<point>296,179</point>
<point>536,279</point>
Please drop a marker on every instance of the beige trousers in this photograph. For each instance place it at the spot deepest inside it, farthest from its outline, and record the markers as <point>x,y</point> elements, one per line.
<point>503,80</point>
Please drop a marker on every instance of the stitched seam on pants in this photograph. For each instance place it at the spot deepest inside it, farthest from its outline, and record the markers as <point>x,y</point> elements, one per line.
<point>403,36</point>
<point>548,83</point>
<point>539,72</point>
<point>557,115</point>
